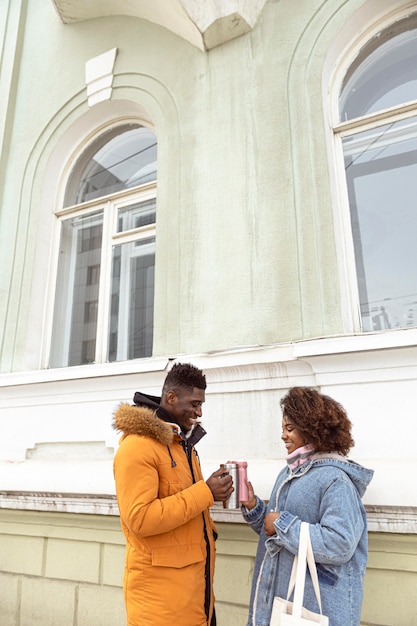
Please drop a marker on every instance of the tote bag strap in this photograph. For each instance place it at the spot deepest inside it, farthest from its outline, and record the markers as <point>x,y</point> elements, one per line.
<point>313,570</point>
<point>298,573</point>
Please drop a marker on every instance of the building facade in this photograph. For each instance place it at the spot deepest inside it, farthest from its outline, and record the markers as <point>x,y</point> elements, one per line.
<point>224,183</point>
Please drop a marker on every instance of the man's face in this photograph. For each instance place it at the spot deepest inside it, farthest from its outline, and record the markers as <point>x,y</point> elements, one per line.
<point>186,407</point>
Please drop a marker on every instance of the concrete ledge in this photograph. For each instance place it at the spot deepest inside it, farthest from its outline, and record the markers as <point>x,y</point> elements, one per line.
<point>59,502</point>
<point>382,519</point>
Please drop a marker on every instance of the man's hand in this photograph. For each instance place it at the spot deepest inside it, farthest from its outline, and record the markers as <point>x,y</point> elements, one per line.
<point>220,484</point>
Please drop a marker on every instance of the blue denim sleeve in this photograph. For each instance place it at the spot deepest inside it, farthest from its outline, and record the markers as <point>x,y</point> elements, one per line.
<point>284,521</point>
<point>280,540</point>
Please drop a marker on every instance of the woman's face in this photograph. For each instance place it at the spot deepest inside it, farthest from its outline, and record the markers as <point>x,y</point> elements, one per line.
<point>290,436</point>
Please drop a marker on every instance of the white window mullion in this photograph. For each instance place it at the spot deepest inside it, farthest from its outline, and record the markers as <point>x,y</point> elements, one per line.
<point>124,301</point>
<point>69,299</point>
<point>105,286</point>
<point>343,233</point>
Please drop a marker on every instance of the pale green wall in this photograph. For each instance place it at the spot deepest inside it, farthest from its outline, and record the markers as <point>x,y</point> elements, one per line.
<point>245,244</point>
<point>57,569</point>
<point>246,253</point>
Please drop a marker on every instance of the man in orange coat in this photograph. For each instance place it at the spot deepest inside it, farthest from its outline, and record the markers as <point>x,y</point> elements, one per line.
<point>164,505</point>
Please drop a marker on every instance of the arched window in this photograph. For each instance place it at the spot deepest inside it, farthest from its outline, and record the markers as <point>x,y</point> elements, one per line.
<point>378,131</point>
<point>105,281</point>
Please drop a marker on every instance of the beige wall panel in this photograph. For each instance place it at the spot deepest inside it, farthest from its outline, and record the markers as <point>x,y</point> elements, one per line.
<point>47,602</point>
<point>230,615</point>
<point>391,580</point>
<point>73,560</point>
<point>9,599</point>
<point>112,564</point>
<point>233,578</point>
<point>21,554</point>
<point>390,597</point>
<point>101,605</point>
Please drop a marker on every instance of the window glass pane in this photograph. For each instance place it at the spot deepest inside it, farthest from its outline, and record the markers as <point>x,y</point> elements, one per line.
<point>121,159</point>
<point>132,294</point>
<point>136,215</point>
<point>75,319</point>
<point>381,171</point>
<point>385,74</point>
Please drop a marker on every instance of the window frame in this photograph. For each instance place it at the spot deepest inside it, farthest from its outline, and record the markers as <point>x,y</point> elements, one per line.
<point>351,309</point>
<point>110,205</point>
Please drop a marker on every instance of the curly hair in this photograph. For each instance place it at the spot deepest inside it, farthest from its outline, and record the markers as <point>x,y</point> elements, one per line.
<point>320,420</point>
<point>184,376</point>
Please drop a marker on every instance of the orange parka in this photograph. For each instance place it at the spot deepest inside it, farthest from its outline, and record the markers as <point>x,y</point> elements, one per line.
<point>164,513</point>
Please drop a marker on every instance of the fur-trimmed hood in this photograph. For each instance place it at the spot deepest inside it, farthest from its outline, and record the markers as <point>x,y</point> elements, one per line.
<point>140,420</point>
<point>148,418</point>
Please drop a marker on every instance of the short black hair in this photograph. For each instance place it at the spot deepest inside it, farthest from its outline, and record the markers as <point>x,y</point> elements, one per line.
<point>184,376</point>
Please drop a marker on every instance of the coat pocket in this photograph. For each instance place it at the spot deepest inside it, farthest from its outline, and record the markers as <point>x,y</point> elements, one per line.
<point>177,556</point>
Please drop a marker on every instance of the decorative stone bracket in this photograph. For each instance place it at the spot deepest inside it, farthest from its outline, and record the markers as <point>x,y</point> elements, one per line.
<point>204,23</point>
<point>99,77</point>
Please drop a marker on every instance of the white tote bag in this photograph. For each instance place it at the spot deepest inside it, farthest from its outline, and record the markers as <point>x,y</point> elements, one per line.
<point>286,613</point>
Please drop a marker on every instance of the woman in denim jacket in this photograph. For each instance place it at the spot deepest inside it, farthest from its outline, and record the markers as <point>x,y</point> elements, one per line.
<point>320,486</point>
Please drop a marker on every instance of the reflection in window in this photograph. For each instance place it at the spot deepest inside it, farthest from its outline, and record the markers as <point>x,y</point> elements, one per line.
<point>131,321</point>
<point>114,163</point>
<point>385,75</point>
<point>105,279</point>
<point>136,216</point>
<point>76,300</point>
<point>381,174</point>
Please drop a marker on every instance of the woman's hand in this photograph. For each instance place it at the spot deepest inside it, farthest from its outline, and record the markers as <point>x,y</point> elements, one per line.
<point>251,502</point>
<point>269,520</point>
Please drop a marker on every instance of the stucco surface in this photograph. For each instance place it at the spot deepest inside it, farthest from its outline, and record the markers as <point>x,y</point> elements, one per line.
<point>245,247</point>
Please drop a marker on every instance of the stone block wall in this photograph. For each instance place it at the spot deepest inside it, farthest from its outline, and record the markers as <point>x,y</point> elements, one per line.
<point>66,569</point>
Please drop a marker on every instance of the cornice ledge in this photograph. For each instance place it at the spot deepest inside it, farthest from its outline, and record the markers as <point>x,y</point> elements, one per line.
<point>46,501</point>
<point>204,24</point>
<point>392,519</point>
<point>381,519</point>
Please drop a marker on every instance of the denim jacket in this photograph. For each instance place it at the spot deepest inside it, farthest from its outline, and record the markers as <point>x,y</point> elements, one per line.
<point>325,492</point>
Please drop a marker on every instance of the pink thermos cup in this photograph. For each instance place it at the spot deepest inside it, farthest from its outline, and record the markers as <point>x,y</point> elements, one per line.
<point>242,467</point>
<point>238,471</point>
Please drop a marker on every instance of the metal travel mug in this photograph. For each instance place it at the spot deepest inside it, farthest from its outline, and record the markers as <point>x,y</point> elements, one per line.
<point>233,501</point>
<point>238,471</point>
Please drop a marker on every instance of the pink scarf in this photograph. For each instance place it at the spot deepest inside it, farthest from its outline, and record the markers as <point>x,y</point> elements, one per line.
<point>300,456</point>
